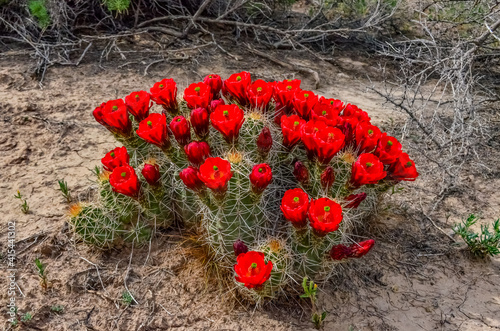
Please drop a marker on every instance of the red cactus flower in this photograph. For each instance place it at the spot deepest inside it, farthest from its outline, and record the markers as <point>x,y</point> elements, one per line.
<point>328,142</point>
<point>403,169</point>
<point>388,149</point>
<point>198,95</point>
<point>327,178</point>
<point>294,206</point>
<point>215,83</point>
<point>367,170</point>
<point>236,87</point>
<point>190,177</point>
<point>260,177</point>
<point>362,248</point>
<point>181,129</point>
<point>164,93</point>
<point>197,152</point>
<point>115,158</point>
<point>326,114</point>
<point>259,93</point>
<point>307,135</point>
<point>367,137</point>
<point>151,173</point>
<point>284,92</point>
<point>251,269</point>
<point>301,173</point>
<point>114,115</point>
<point>124,180</point>
<point>325,216</point>
<point>228,119</point>
<point>214,104</point>
<point>340,252</point>
<point>291,127</point>
<point>265,141</point>
<point>354,200</point>
<point>336,105</point>
<point>303,102</point>
<point>355,114</point>
<point>200,121</point>
<point>216,173</point>
<point>138,104</point>
<point>239,247</point>
<point>153,129</point>
<point>97,113</point>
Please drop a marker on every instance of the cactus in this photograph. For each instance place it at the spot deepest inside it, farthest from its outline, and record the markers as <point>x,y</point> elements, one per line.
<point>289,174</point>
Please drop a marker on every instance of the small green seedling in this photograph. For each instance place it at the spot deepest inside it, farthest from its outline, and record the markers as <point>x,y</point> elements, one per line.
<point>127,298</point>
<point>63,187</point>
<point>310,291</point>
<point>26,317</point>
<point>24,204</point>
<point>481,245</point>
<point>41,273</point>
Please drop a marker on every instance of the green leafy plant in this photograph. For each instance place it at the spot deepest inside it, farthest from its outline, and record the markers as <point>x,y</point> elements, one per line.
<point>26,317</point>
<point>310,291</point>
<point>38,9</point>
<point>117,5</point>
<point>41,273</point>
<point>25,208</point>
<point>58,309</point>
<point>483,244</point>
<point>127,298</point>
<point>63,187</point>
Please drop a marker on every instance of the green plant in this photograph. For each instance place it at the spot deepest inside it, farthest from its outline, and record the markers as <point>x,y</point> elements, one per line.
<point>127,298</point>
<point>58,309</point>
<point>38,9</point>
<point>481,245</point>
<point>26,317</point>
<point>63,187</point>
<point>41,273</point>
<point>25,208</point>
<point>310,292</point>
<point>117,5</point>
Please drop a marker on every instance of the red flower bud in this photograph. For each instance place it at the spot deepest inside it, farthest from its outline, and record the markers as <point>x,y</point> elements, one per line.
<point>367,170</point>
<point>328,142</point>
<point>291,128</point>
<point>190,177</point>
<point>327,178</point>
<point>294,206</point>
<point>181,129</point>
<point>403,169</point>
<point>284,92</point>
<point>200,121</point>
<point>325,216</point>
<point>138,104</point>
<point>214,104</point>
<point>239,247</point>
<point>215,83</point>
<point>197,152</point>
<point>251,269</point>
<point>259,94</point>
<point>124,180</point>
<point>362,248</point>
<point>260,177</point>
<point>388,149</point>
<point>354,200</point>
<point>307,135</point>
<point>198,95</point>
<point>164,93</point>
<point>114,115</point>
<point>216,173</point>
<point>340,252</point>
<point>367,137</point>
<point>153,129</point>
<point>115,158</point>
<point>235,87</point>
<point>228,119</point>
<point>265,141</point>
<point>303,102</point>
<point>151,173</point>
<point>301,173</point>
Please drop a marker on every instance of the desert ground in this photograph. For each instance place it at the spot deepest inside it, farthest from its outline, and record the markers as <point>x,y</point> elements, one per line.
<point>416,278</point>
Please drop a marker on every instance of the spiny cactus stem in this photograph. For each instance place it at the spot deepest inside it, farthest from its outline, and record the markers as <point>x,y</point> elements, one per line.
<point>177,156</point>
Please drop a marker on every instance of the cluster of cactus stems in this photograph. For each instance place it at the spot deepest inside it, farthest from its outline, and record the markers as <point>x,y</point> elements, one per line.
<point>272,177</point>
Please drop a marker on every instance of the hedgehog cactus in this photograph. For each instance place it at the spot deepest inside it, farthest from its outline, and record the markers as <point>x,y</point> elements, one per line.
<point>264,166</point>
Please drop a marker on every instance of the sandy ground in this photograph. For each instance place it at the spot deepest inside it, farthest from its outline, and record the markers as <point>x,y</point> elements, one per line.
<point>415,278</point>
